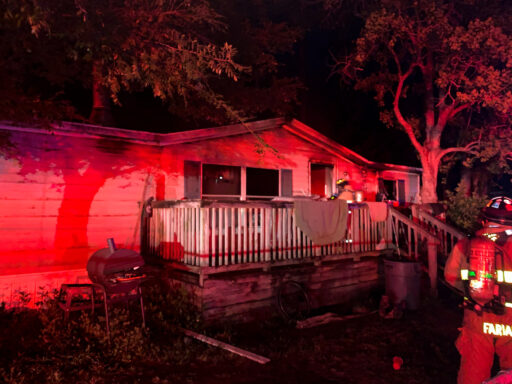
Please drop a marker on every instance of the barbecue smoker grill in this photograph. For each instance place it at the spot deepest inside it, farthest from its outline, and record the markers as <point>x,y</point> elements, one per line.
<point>116,275</point>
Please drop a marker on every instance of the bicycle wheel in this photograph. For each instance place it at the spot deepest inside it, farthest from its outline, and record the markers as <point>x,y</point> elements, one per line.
<point>293,301</point>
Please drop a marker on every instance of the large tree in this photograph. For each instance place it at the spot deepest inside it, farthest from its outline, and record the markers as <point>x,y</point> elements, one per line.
<point>433,67</point>
<point>166,46</point>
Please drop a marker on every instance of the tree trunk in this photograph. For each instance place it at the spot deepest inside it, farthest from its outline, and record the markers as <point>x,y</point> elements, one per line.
<point>465,182</point>
<point>101,112</point>
<point>429,178</point>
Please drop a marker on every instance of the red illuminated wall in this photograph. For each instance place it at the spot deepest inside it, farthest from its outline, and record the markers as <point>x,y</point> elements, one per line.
<point>293,153</point>
<point>62,196</point>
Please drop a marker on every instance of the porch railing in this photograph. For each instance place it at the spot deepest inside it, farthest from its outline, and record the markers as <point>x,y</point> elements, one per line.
<point>214,234</point>
<point>447,235</point>
<point>416,242</point>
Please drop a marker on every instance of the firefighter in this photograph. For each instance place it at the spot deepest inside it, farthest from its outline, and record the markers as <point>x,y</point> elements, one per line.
<point>481,267</point>
<point>344,190</point>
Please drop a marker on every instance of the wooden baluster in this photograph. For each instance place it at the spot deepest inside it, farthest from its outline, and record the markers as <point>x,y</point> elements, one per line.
<point>372,232</point>
<point>186,229</point>
<point>214,236</point>
<point>246,240</point>
<point>226,236</point>
<point>201,234</point>
<point>289,231</point>
<point>198,235</point>
<point>266,228</point>
<point>360,215</point>
<point>355,232</point>
<point>256,243</point>
<point>221,236</point>
<point>225,231</point>
<point>261,243</point>
<point>178,231</point>
<point>207,257</point>
<point>183,215</point>
<point>170,215</point>
<point>191,229</point>
<point>282,226</point>
<point>179,228</point>
<point>239,236</point>
<point>252,242</point>
<point>273,233</point>
<point>277,244</point>
<point>364,229</point>
<point>232,234</point>
<point>174,239</point>
<point>295,236</point>
<point>369,232</point>
<point>164,240</point>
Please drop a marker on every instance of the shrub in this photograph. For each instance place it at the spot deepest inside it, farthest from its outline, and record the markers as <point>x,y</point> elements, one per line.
<point>463,210</point>
<point>41,346</point>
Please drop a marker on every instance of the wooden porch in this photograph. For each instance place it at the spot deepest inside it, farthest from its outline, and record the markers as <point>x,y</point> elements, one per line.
<point>231,253</point>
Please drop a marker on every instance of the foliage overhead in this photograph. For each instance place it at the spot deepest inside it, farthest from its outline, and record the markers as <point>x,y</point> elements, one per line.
<point>436,68</point>
<point>54,53</point>
<point>266,34</point>
<point>166,46</point>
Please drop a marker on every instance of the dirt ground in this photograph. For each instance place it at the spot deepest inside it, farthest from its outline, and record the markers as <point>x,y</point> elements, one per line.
<point>357,350</point>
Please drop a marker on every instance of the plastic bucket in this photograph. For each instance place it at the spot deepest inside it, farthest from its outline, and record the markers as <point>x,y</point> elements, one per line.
<point>403,279</point>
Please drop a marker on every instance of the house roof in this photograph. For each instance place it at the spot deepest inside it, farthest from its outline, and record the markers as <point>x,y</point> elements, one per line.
<point>165,139</point>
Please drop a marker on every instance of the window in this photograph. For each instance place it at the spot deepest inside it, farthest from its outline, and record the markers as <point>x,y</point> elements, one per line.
<point>221,181</point>
<point>389,189</point>
<point>393,190</point>
<point>262,182</point>
<point>225,182</point>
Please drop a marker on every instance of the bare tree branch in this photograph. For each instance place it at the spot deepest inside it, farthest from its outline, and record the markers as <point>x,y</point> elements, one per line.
<point>470,149</point>
<point>398,113</point>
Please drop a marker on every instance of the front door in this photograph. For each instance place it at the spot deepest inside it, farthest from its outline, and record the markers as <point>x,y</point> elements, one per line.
<point>321,179</point>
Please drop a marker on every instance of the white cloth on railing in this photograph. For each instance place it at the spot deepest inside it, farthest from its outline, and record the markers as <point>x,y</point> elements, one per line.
<point>378,210</point>
<point>324,222</point>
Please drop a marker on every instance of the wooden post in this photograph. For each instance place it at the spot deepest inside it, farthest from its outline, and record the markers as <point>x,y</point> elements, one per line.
<point>432,266</point>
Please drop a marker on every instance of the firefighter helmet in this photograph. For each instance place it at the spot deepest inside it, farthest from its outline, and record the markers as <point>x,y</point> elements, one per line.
<point>342,182</point>
<point>498,210</point>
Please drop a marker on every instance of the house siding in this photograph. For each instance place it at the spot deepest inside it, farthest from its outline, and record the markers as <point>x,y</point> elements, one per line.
<point>64,192</point>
